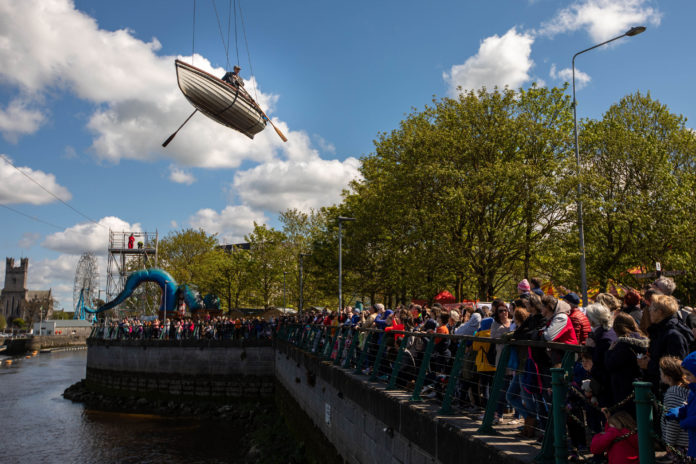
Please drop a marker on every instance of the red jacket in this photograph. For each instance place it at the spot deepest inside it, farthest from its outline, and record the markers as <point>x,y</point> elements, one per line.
<point>581,324</point>
<point>559,329</point>
<point>621,451</point>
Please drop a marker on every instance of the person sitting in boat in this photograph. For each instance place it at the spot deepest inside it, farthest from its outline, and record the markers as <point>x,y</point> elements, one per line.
<point>233,77</point>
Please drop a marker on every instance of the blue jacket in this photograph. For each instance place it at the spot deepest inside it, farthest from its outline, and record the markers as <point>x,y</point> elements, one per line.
<point>687,414</point>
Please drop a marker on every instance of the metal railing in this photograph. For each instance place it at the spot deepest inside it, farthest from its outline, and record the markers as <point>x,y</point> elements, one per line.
<point>438,368</point>
<point>185,331</point>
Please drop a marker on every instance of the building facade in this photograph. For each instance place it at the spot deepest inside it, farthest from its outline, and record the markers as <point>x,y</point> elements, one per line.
<point>15,296</point>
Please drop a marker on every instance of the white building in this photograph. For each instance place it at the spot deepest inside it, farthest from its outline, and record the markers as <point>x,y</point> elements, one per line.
<point>63,327</point>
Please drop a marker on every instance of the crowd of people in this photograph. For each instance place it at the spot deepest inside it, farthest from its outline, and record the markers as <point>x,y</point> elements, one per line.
<point>211,328</point>
<point>644,336</point>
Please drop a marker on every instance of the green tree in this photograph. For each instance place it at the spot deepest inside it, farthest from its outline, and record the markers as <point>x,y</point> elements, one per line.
<point>463,195</point>
<point>269,259</point>
<point>639,188</point>
<point>19,322</point>
<point>190,257</point>
<point>3,322</point>
<point>231,277</point>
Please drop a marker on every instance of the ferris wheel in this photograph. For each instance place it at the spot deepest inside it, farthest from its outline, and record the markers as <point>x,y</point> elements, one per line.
<point>86,287</point>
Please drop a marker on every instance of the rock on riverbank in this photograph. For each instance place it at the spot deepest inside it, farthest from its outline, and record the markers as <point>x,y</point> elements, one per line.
<point>260,433</point>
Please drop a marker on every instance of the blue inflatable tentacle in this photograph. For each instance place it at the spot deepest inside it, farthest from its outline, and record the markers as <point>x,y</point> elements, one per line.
<point>158,276</point>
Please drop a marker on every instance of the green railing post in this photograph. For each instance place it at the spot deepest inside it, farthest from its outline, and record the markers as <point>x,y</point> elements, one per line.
<point>378,359</point>
<point>547,452</point>
<point>560,394</point>
<point>354,340</point>
<point>341,343</point>
<point>328,343</point>
<point>494,396</point>
<point>453,378</point>
<point>397,363</point>
<point>423,368</point>
<point>363,352</point>
<point>644,403</point>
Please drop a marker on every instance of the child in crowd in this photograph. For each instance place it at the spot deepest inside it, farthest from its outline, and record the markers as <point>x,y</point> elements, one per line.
<point>686,415</point>
<point>619,439</point>
<point>676,395</point>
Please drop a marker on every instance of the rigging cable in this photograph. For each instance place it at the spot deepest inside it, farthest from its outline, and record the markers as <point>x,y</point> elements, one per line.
<point>246,42</point>
<point>34,218</point>
<point>236,40</point>
<point>222,36</point>
<point>5,159</point>
<point>193,37</point>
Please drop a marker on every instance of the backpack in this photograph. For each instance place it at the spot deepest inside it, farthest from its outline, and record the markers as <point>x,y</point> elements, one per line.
<point>491,354</point>
<point>531,378</point>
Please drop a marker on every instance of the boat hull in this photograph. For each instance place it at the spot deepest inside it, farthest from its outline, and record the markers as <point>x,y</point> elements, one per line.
<point>224,103</point>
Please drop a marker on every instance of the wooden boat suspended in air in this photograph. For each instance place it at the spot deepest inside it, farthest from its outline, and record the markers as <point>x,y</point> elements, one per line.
<point>225,103</point>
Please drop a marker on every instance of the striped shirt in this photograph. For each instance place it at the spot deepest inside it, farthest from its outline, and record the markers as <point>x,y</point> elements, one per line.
<point>672,434</point>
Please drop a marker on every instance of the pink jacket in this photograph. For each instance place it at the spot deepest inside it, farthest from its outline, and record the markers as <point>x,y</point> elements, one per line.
<point>622,451</point>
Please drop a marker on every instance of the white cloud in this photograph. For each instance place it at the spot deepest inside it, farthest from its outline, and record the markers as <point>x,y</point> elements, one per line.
<point>59,275</point>
<point>566,75</point>
<point>28,240</point>
<point>15,187</point>
<point>18,119</point>
<point>603,19</point>
<point>180,176</point>
<point>87,236</point>
<point>501,61</point>
<point>279,185</point>
<point>133,88</point>
<point>231,224</point>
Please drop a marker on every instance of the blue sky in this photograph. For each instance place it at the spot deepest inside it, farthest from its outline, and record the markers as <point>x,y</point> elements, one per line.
<point>88,93</point>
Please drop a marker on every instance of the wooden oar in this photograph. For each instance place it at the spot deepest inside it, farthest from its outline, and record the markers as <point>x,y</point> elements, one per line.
<point>166,142</point>
<point>280,134</point>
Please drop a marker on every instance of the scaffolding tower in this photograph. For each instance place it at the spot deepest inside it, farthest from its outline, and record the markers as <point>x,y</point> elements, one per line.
<point>127,255</point>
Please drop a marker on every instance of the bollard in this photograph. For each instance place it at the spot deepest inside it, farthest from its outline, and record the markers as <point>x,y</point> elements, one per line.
<point>494,397</point>
<point>560,394</point>
<point>644,403</point>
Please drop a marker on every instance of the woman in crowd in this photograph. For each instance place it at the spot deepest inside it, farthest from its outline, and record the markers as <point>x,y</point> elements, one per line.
<point>621,360</point>
<point>668,337</point>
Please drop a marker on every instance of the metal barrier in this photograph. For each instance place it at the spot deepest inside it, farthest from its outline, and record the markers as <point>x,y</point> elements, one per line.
<point>168,331</point>
<point>428,365</point>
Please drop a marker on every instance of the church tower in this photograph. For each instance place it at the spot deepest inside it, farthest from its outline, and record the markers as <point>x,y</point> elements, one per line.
<point>15,290</point>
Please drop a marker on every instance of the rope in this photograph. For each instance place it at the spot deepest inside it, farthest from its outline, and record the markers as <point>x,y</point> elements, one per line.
<point>193,36</point>
<point>222,36</point>
<point>6,160</point>
<point>236,40</point>
<point>246,42</point>
<point>229,21</point>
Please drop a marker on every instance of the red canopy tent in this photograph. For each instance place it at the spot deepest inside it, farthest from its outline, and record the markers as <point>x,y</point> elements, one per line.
<point>444,297</point>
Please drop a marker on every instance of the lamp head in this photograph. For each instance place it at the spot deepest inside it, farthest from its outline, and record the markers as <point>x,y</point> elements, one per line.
<point>635,31</point>
<point>343,218</point>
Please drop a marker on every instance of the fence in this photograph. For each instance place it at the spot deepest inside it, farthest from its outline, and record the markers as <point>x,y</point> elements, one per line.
<point>198,330</point>
<point>463,375</point>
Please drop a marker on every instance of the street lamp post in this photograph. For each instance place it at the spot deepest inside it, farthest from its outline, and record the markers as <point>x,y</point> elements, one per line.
<point>302,255</point>
<point>284,306</point>
<point>581,228</point>
<point>341,219</point>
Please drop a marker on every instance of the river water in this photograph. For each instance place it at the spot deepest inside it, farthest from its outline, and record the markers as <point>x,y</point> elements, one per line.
<point>37,425</point>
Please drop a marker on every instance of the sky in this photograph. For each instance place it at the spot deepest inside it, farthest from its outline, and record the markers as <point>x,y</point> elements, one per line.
<point>88,93</point>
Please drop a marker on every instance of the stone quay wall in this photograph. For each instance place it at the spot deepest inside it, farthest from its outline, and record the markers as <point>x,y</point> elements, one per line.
<point>368,424</point>
<point>211,369</point>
